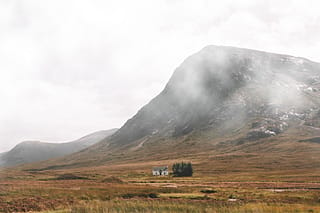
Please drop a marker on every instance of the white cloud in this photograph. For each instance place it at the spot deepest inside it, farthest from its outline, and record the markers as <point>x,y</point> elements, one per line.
<point>68,68</point>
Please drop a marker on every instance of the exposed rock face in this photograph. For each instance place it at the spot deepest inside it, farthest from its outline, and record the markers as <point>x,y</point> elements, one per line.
<point>225,87</point>
<point>266,128</point>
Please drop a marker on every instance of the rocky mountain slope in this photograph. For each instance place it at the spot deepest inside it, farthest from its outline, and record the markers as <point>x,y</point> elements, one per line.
<point>32,151</point>
<point>221,100</point>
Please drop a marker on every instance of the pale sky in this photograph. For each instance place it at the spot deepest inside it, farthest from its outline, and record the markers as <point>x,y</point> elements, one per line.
<point>72,67</point>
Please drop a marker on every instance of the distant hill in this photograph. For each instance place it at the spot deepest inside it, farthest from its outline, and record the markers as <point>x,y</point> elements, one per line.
<point>33,151</point>
<point>246,106</point>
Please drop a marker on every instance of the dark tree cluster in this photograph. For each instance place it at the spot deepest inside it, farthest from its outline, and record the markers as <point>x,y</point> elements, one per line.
<point>182,169</point>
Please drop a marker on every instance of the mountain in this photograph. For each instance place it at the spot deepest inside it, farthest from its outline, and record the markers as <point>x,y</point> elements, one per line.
<point>32,151</point>
<point>223,101</point>
<point>223,84</point>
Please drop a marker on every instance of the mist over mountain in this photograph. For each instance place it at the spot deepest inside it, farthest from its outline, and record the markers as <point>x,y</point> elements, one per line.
<point>33,151</point>
<point>226,86</point>
<point>221,99</point>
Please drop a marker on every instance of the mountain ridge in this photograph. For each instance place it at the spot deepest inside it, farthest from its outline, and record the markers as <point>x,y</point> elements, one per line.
<point>219,100</point>
<point>33,151</point>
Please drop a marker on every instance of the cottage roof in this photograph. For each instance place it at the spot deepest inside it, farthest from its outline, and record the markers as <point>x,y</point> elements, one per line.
<point>163,168</point>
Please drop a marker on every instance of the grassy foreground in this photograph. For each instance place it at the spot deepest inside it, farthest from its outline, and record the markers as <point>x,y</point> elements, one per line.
<point>131,188</point>
<point>121,206</point>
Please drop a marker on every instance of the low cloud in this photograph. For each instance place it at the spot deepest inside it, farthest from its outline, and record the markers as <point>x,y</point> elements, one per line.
<point>71,68</point>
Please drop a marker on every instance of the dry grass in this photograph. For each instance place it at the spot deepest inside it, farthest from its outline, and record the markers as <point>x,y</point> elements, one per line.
<point>268,177</point>
<point>141,192</point>
<point>147,206</point>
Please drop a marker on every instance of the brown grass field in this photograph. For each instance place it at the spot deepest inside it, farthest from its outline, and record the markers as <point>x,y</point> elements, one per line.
<point>130,187</point>
<point>271,175</point>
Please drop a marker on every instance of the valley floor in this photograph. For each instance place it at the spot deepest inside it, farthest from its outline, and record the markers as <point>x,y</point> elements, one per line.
<point>132,188</point>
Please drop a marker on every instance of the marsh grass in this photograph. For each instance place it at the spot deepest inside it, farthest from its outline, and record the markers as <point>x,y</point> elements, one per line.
<point>113,189</point>
<point>151,206</point>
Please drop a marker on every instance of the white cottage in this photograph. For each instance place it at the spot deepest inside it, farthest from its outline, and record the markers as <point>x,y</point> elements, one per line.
<point>160,171</point>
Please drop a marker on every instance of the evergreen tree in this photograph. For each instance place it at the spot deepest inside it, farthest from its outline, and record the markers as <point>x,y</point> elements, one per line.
<point>182,169</point>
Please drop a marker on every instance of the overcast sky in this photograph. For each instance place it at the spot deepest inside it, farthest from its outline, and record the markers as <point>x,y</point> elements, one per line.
<point>72,67</point>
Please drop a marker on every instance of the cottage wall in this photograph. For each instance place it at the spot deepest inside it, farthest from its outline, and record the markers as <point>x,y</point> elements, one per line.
<point>163,171</point>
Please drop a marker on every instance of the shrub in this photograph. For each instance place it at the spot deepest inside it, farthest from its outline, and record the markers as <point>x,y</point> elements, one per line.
<point>141,195</point>
<point>232,196</point>
<point>153,195</point>
<point>208,191</point>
